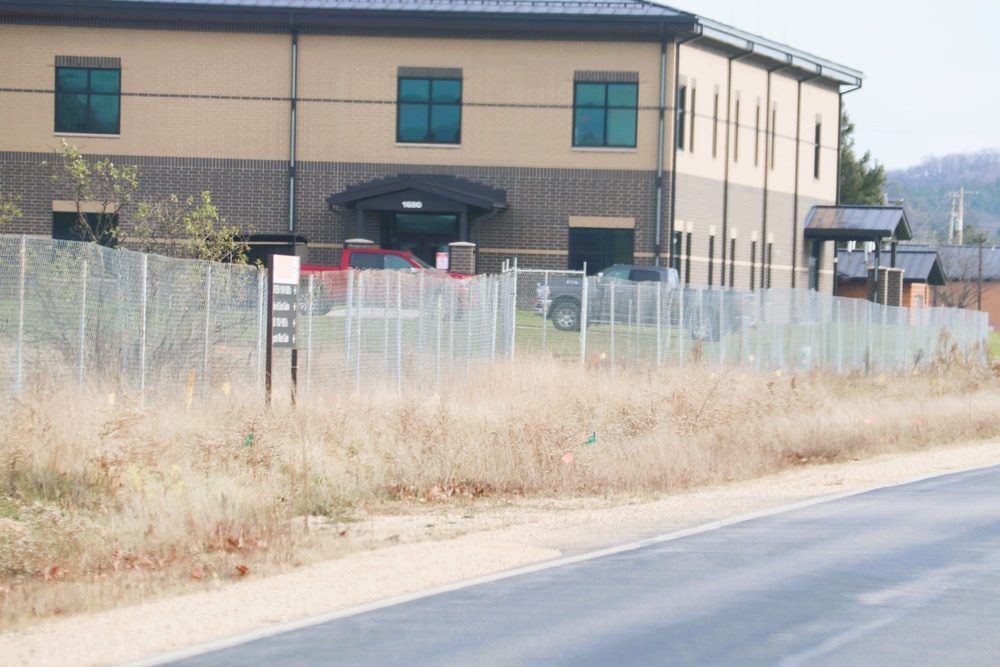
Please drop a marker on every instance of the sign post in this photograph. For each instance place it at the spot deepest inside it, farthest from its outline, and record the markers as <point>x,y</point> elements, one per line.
<point>282,313</point>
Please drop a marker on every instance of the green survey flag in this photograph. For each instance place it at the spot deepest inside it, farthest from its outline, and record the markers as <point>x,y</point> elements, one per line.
<point>592,439</point>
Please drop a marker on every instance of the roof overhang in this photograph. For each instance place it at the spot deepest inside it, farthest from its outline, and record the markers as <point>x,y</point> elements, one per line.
<point>919,265</point>
<point>431,193</point>
<point>857,223</point>
<point>611,16</point>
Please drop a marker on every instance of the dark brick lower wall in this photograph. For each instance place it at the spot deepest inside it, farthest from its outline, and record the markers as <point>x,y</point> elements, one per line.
<point>534,228</point>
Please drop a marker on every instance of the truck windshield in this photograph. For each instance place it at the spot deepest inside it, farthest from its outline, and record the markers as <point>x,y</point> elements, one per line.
<point>422,263</point>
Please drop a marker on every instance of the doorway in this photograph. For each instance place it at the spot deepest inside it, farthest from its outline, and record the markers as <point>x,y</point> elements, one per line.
<point>423,234</point>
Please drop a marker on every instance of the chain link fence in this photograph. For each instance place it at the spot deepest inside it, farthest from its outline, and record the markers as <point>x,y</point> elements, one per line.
<point>633,324</point>
<point>158,328</point>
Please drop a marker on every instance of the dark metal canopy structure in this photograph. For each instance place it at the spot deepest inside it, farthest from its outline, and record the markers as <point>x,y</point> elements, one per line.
<point>857,223</point>
<point>919,265</point>
<point>424,193</point>
<point>438,192</point>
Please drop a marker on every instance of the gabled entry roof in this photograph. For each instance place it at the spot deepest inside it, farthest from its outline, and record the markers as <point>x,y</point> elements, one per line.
<point>440,186</point>
<point>919,264</point>
<point>857,223</point>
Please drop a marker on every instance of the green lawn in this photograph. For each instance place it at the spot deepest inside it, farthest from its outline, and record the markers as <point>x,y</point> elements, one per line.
<point>993,345</point>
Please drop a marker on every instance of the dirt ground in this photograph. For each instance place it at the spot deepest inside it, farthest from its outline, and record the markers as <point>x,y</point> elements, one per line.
<point>397,555</point>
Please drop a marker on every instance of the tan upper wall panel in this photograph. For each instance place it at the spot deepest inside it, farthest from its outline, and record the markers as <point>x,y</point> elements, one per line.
<point>517,95</point>
<point>158,62</point>
<point>704,74</point>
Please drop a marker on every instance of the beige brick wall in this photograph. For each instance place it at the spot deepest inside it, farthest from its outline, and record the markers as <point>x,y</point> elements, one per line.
<point>532,80</point>
<point>178,68</point>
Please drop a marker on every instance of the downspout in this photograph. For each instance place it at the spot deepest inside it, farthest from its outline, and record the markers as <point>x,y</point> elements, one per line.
<point>725,174</point>
<point>658,246</point>
<point>291,150</point>
<point>769,137</point>
<point>798,151</point>
<point>840,141</point>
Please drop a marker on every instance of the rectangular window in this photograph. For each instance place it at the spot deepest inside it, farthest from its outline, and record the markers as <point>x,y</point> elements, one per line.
<point>819,129</point>
<point>429,110</point>
<point>736,134</point>
<point>756,139</point>
<point>694,114</point>
<point>604,113</point>
<point>88,100</point>
<point>715,126</point>
<point>599,248</point>
<point>774,134</point>
<point>681,113</point>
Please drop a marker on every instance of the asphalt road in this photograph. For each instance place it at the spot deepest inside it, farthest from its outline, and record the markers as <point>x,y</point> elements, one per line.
<point>905,575</point>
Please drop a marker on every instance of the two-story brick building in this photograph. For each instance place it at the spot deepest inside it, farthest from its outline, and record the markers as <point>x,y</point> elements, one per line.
<point>555,131</point>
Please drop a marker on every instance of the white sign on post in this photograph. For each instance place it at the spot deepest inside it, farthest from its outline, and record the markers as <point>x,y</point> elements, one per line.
<point>284,300</point>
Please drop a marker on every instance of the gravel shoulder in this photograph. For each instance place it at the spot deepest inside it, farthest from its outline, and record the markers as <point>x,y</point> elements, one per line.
<point>396,555</point>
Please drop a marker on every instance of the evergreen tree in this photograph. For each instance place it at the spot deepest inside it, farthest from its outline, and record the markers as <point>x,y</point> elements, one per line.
<point>861,181</point>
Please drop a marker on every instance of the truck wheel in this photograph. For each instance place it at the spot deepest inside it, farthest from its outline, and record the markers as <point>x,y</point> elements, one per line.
<point>321,305</point>
<point>706,327</point>
<point>566,315</point>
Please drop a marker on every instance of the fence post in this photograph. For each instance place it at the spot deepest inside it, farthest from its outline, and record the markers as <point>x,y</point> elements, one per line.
<point>493,329</point>
<point>142,337</point>
<point>357,357</point>
<point>584,301</point>
<point>385,322</point>
<point>19,380</point>
<point>399,332</point>
<point>208,322</point>
<point>545,311</point>
<point>261,330</point>
<point>638,322</point>
<point>349,307</point>
<point>309,344</point>
<point>612,326</point>
<point>83,326</point>
<point>513,312</point>
<point>659,324</point>
<point>437,350</point>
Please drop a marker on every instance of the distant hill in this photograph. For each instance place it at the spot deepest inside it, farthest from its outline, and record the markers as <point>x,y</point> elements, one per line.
<point>924,191</point>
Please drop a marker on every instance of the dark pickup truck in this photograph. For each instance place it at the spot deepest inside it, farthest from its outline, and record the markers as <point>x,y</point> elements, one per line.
<point>626,293</point>
<point>559,298</point>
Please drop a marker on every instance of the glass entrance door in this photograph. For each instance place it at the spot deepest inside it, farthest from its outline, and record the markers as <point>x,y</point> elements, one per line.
<point>423,234</point>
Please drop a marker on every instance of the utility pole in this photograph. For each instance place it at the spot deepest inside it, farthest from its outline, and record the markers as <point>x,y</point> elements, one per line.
<point>956,221</point>
<point>961,216</point>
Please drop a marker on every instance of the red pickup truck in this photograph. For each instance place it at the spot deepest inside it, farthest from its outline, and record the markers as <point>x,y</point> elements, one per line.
<point>376,258</point>
<point>334,284</point>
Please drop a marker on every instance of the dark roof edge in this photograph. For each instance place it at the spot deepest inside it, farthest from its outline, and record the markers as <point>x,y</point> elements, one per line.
<point>684,24</point>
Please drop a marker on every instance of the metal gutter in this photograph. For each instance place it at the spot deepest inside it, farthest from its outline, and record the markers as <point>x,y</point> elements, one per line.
<point>673,161</point>
<point>748,50</point>
<point>766,48</point>
<point>798,151</point>
<point>291,149</point>
<point>769,137</point>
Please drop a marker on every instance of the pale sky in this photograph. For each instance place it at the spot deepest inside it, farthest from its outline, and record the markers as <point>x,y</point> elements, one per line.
<point>932,71</point>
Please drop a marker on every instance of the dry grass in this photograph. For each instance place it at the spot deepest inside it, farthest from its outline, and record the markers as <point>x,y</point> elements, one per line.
<point>103,504</point>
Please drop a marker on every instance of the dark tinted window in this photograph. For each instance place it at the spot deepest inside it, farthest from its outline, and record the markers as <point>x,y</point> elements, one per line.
<point>88,100</point>
<point>604,114</point>
<point>429,111</point>
<point>599,248</point>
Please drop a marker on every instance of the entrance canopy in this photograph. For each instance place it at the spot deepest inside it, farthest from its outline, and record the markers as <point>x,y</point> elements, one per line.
<point>427,193</point>
<point>857,223</point>
<point>422,194</point>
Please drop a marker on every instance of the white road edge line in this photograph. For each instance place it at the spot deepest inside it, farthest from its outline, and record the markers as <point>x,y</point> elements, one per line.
<point>281,628</point>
